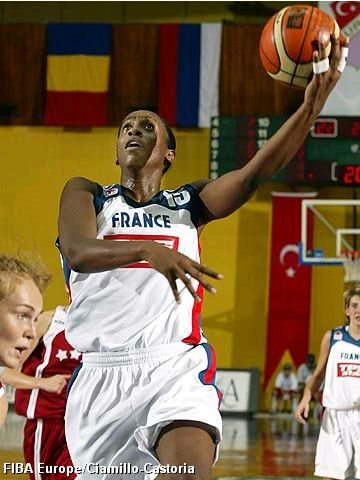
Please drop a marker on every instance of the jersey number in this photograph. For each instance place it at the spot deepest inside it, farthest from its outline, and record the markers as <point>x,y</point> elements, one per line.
<point>177,199</point>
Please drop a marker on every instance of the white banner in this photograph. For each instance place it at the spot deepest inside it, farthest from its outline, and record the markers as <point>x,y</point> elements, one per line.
<point>345,99</point>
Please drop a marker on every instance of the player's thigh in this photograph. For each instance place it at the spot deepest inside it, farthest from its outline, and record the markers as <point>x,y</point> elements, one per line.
<point>187,442</point>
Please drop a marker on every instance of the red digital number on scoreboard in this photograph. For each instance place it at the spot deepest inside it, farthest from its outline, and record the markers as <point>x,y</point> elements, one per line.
<point>325,128</point>
<point>355,129</point>
<point>351,174</point>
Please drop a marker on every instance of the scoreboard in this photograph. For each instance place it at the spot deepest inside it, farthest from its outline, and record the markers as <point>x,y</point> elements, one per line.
<point>330,154</point>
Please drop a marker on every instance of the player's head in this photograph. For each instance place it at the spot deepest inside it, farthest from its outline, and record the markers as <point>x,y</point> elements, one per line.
<point>352,305</point>
<point>21,286</point>
<point>310,359</point>
<point>287,369</point>
<point>145,138</point>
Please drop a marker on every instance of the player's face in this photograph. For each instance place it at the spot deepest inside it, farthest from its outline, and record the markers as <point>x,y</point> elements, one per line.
<point>353,311</point>
<point>19,310</point>
<point>142,141</point>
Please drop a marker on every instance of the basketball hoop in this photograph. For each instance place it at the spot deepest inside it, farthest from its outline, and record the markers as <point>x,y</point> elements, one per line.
<point>351,262</point>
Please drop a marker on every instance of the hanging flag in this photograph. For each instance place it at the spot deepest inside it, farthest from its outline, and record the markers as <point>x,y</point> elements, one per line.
<point>345,99</point>
<point>77,80</point>
<point>189,67</point>
<point>290,285</point>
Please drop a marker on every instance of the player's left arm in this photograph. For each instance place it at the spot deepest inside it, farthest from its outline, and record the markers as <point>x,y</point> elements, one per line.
<point>223,196</point>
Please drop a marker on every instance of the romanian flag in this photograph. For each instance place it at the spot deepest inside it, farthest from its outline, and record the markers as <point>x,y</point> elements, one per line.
<point>78,64</point>
<point>189,73</point>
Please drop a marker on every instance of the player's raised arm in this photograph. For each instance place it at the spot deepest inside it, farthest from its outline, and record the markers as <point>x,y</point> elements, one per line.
<point>226,194</point>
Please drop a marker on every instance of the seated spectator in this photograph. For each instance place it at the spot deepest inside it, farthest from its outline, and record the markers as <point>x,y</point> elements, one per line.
<point>305,371</point>
<point>284,398</point>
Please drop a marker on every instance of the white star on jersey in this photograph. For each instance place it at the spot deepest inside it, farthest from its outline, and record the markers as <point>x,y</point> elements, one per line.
<point>61,355</point>
<point>74,354</point>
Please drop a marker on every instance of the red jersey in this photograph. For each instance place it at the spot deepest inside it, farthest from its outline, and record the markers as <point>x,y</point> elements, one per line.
<point>53,355</point>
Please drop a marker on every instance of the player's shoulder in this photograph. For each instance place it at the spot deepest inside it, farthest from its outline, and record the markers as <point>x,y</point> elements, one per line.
<point>337,334</point>
<point>81,183</point>
<point>198,185</point>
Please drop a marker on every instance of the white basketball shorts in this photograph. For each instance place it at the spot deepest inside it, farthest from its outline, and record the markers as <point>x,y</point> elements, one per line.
<point>120,401</point>
<point>338,447</point>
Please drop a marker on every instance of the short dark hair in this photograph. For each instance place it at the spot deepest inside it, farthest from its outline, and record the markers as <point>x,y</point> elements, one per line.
<point>171,137</point>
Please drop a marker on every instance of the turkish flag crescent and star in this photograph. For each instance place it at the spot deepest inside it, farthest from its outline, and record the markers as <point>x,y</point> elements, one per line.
<point>289,286</point>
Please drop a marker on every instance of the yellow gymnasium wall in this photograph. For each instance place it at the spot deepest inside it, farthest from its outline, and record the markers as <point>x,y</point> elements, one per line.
<point>35,164</point>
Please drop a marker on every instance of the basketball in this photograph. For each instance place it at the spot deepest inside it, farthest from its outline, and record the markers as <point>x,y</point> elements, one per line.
<point>288,40</point>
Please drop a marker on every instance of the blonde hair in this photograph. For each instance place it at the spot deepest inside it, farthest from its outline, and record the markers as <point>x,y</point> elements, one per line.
<point>13,268</point>
<point>347,298</point>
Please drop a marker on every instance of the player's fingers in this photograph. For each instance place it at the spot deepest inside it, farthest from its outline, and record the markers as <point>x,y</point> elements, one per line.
<point>187,282</point>
<point>172,281</point>
<point>306,412</point>
<point>322,41</point>
<point>298,415</point>
<point>344,51</point>
<point>208,271</point>
<point>320,66</point>
<point>335,52</point>
<point>301,420</point>
<point>201,279</point>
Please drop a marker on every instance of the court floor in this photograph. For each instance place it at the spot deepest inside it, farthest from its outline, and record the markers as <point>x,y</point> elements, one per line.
<point>257,448</point>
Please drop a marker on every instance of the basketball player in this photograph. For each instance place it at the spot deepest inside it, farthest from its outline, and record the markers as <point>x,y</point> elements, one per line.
<point>338,448</point>
<point>146,394</point>
<point>21,287</point>
<point>41,395</point>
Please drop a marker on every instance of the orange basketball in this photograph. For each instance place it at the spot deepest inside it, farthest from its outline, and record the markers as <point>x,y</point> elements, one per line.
<point>289,39</point>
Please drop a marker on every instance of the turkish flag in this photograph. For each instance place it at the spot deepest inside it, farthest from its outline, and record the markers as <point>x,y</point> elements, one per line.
<point>290,285</point>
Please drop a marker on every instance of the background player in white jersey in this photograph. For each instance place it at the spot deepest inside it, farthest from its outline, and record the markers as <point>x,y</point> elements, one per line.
<point>305,371</point>
<point>146,391</point>
<point>21,287</point>
<point>338,448</point>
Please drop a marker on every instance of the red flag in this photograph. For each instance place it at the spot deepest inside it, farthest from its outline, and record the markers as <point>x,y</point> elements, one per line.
<point>290,285</point>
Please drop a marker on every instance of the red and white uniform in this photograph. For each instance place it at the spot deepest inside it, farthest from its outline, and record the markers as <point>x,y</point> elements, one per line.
<point>44,436</point>
<point>133,306</point>
<point>2,391</point>
<point>338,448</point>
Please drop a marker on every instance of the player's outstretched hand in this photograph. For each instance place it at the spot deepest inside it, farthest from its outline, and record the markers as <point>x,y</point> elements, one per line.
<point>302,412</point>
<point>327,71</point>
<point>174,265</point>
<point>54,384</point>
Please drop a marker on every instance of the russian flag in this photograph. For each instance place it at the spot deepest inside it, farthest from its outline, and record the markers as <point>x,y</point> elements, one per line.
<point>77,81</point>
<point>189,67</point>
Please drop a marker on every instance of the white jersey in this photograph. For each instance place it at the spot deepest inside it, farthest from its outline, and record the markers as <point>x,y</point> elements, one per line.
<point>133,306</point>
<point>342,377</point>
<point>286,382</point>
<point>304,373</point>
